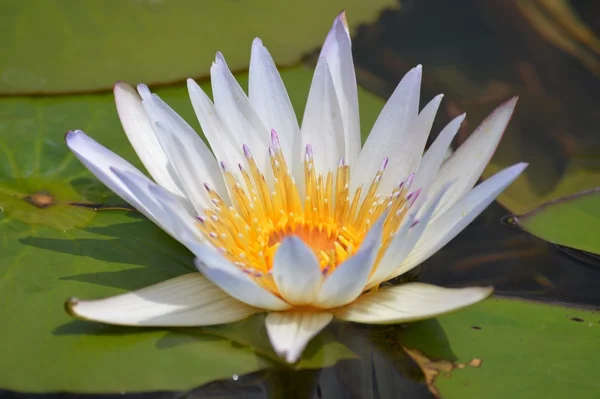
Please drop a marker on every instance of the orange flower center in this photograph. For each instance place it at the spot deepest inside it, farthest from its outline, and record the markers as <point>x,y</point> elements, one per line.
<point>328,219</point>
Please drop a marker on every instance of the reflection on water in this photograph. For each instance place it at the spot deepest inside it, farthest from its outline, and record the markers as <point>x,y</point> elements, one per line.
<point>477,53</point>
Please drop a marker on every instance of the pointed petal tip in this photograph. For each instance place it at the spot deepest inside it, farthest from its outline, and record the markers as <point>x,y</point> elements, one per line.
<point>122,86</point>
<point>125,93</point>
<point>219,58</point>
<point>257,42</point>
<point>291,357</point>
<point>290,332</point>
<point>144,91</point>
<point>435,101</point>
<point>508,105</point>
<point>516,169</point>
<point>341,18</point>
<point>72,135</point>
<point>70,305</point>
<point>414,75</point>
<point>192,86</point>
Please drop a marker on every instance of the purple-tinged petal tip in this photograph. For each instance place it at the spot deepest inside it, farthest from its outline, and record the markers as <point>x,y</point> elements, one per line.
<point>309,150</point>
<point>409,180</point>
<point>383,164</point>
<point>247,152</point>
<point>274,138</point>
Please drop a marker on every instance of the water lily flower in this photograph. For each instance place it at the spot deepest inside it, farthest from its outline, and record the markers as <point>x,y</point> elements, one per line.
<point>295,220</point>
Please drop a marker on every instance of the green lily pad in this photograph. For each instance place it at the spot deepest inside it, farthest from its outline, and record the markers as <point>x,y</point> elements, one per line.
<point>45,350</point>
<point>77,46</point>
<point>572,221</point>
<point>54,245</point>
<point>507,348</point>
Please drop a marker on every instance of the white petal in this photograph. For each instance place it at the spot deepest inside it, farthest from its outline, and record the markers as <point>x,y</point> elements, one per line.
<point>191,159</point>
<point>401,245</point>
<point>337,49</point>
<point>237,112</point>
<point>408,160</point>
<point>391,133</point>
<point>188,300</point>
<point>410,302</point>
<point>348,280</point>
<point>102,163</point>
<point>161,204</point>
<point>468,161</point>
<point>381,271</point>
<point>143,139</point>
<point>270,99</point>
<point>296,272</point>
<point>290,332</point>
<point>436,154</point>
<point>183,163</point>
<point>440,231</point>
<point>232,280</point>
<point>223,143</point>
<point>322,125</point>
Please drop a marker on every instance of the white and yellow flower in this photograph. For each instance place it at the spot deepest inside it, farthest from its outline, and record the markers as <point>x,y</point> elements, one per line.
<point>297,221</point>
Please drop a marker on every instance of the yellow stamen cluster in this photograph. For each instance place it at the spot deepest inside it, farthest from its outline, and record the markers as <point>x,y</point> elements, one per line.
<point>328,219</point>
